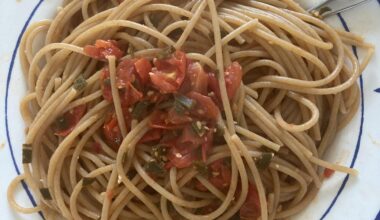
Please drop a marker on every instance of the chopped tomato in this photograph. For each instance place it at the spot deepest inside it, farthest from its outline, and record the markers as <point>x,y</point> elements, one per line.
<point>176,118</point>
<point>205,108</point>
<point>151,135</point>
<point>130,96</point>
<point>180,160</point>
<point>207,144</point>
<point>250,210</point>
<point>169,74</point>
<point>233,76</point>
<point>220,174</point>
<point>143,67</point>
<point>106,85</point>
<point>189,141</point>
<point>102,49</point>
<point>161,120</point>
<point>125,73</point>
<point>327,173</point>
<point>112,132</point>
<point>67,123</point>
<point>198,78</point>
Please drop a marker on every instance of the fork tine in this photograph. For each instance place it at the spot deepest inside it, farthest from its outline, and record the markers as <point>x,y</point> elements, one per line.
<point>324,10</point>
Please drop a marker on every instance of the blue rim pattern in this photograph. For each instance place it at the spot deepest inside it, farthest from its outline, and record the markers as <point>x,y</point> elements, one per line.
<point>29,194</point>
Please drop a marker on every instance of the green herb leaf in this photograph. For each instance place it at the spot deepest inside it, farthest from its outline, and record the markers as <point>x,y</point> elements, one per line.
<point>88,181</point>
<point>201,167</point>
<point>264,161</point>
<point>159,153</point>
<point>185,102</point>
<point>155,167</point>
<point>26,153</point>
<point>46,193</point>
<point>140,109</point>
<point>80,83</point>
<point>198,128</point>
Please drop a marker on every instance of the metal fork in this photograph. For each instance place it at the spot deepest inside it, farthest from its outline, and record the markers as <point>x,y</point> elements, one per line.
<point>332,7</point>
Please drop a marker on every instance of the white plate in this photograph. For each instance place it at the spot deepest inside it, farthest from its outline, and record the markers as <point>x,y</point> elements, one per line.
<point>358,145</point>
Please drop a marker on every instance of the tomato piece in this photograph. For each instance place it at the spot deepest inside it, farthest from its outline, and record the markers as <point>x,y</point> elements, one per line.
<point>175,118</point>
<point>169,74</point>
<point>189,141</point>
<point>198,78</point>
<point>250,210</point>
<point>213,86</point>
<point>180,160</point>
<point>220,174</point>
<point>151,135</point>
<point>130,96</point>
<point>67,122</point>
<point>143,67</point>
<point>102,49</point>
<point>161,120</point>
<point>233,76</point>
<point>205,108</point>
<point>125,73</point>
<point>327,173</point>
<point>164,82</point>
<point>112,132</point>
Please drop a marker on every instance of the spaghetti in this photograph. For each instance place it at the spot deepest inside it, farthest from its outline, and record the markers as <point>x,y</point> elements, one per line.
<point>196,109</point>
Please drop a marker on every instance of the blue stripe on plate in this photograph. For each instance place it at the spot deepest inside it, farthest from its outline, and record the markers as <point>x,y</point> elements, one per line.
<point>377,90</point>
<point>6,102</point>
<point>360,130</point>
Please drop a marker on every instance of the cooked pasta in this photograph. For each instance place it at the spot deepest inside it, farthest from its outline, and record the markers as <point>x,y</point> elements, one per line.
<point>165,109</point>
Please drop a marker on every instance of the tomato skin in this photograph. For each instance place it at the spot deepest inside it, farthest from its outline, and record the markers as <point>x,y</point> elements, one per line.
<point>169,74</point>
<point>205,108</point>
<point>151,135</point>
<point>71,119</point>
<point>233,76</point>
<point>250,209</point>
<point>143,67</point>
<point>160,119</point>
<point>112,132</point>
<point>180,160</point>
<point>213,86</point>
<point>102,49</point>
<point>220,174</point>
<point>327,173</point>
<point>125,73</point>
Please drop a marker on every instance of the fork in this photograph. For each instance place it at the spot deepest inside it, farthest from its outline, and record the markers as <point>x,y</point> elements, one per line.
<point>332,7</point>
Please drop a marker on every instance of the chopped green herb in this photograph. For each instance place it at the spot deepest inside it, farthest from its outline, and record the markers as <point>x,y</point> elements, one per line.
<point>201,167</point>
<point>184,102</point>
<point>166,52</point>
<point>219,130</point>
<point>159,152</point>
<point>80,83</point>
<point>155,167</point>
<point>140,109</point>
<point>264,161</point>
<point>198,128</point>
<point>46,193</point>
<point>26,153</point>
<point>88,181</point>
